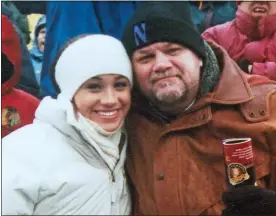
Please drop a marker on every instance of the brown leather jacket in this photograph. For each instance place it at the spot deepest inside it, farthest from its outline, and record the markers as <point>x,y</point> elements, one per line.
<point>177,168</point>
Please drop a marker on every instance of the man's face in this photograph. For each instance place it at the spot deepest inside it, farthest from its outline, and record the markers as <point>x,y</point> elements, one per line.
<point>41,39</point>
<point>168,74</point>
<point>258,9</point>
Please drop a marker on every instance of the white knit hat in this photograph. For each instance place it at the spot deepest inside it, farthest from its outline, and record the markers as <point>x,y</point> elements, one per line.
<point>88,57</point>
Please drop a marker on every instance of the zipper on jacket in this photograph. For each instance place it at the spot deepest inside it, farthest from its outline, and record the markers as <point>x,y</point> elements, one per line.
<point>111,171</point>
<point>112,176</point>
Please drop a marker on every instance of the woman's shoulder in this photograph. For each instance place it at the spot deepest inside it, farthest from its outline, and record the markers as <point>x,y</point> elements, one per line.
<point>34,141</point>
<point>28,134</point>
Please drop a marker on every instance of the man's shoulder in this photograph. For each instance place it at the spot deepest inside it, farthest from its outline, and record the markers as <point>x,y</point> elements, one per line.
<point>264,92</point>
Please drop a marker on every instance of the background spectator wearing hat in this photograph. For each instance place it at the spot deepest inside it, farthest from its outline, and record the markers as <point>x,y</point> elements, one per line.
<point>37,50</point>
<point>18,107</point>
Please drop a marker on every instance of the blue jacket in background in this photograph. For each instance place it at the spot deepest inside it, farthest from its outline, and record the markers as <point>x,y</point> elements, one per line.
<point>27,80</point>
<point>36,54</point>
<point>67,19</point>
<point>222,11</point>
<point>112,16</point>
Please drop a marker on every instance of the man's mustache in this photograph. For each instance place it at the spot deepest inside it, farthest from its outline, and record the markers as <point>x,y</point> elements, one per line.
<point>163,74</point>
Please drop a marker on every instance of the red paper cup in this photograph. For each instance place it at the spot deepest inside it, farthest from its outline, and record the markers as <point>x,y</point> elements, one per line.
<point>239,161</point>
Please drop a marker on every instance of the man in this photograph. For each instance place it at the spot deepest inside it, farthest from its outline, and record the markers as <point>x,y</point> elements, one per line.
<point>250,39</point>
<point>17,107</point>
<point>38,46</point>
<point>188,97</point>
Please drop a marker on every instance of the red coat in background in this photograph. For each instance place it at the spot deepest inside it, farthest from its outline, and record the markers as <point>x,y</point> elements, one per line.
<point>17,106</point>
<point>248,38</point>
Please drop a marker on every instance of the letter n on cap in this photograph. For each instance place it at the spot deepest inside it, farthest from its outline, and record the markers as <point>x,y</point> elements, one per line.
<point>140,34</point>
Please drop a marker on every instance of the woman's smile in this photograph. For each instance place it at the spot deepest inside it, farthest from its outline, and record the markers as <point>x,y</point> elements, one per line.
<point>112,114</point>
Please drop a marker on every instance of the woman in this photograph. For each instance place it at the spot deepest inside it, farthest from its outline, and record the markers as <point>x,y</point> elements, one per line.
<point>71,159</point>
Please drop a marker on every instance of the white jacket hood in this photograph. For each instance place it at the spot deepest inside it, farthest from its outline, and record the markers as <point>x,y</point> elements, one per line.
<point>52,111</point>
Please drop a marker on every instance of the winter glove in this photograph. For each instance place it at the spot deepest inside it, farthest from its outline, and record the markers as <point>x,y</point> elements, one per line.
<point>244,65</point>
<point>249,200</point>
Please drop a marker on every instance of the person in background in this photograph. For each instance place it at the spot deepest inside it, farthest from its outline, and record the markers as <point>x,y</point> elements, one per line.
<point>70,161</point>
<point>189,96</point>
<point>38,46</point>
<point>27,80</point>
<point>32,20</point>
<point>17,106</point>
<point>250,39</point>
<point>206,14</point>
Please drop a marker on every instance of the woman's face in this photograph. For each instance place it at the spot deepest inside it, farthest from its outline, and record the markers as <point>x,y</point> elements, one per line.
<point>105,100</point>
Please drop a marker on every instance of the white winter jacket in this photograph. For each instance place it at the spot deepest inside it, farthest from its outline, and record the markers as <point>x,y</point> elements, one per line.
<point>49,169</point>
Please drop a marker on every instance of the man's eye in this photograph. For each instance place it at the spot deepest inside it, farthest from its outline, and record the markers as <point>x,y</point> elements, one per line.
<point>145,59</point>
<point>121,85</point>
<point>173,51</point>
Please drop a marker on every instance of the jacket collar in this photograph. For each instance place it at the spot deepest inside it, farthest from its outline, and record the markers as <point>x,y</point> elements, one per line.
<point>232,87</point>
<point>255,28</point>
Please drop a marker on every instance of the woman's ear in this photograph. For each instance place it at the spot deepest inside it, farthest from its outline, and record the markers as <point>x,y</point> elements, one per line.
<point>75,108</point>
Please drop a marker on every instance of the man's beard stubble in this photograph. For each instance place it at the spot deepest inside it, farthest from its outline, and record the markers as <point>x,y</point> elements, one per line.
<point>167,97</point>
<point>174,96</point>
<point>171,96</point>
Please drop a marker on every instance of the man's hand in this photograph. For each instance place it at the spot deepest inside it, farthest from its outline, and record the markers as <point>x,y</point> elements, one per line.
<point>249,200</point>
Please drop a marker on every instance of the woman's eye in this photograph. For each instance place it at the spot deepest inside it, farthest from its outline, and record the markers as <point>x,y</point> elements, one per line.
<point>121,85</point>
<point>94,86</point>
